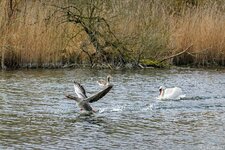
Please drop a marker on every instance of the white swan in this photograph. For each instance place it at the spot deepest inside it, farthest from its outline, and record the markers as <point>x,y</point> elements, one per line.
<point>104,83</point>
<point>170,93</point>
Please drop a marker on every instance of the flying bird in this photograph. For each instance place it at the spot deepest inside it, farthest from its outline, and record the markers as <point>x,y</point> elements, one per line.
<point>83,102</point>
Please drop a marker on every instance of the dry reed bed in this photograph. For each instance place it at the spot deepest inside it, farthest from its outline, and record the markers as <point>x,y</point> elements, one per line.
<point>205,29</point>
<point>33,39</point>
<point>152,30</point>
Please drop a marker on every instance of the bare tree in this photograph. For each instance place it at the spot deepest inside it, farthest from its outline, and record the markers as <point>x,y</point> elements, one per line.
<point>89,15</point>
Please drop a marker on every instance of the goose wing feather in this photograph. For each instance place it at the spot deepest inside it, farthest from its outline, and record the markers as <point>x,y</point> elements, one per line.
<point>99,95</point>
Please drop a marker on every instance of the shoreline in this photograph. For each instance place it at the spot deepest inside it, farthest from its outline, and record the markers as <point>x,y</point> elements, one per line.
<point>127,66</point>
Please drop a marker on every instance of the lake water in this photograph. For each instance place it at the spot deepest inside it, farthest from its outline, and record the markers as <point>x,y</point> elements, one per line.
<point>34,113</point>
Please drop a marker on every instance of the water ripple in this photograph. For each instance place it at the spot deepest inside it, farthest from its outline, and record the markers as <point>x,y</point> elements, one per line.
<point>34,114</point>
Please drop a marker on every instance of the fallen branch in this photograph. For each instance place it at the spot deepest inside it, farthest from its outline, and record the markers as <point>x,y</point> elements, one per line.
<point>178,54</point>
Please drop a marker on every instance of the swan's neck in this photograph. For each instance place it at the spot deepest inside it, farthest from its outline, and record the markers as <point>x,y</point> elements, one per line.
<point>161,92</point>
<point>108,79</point>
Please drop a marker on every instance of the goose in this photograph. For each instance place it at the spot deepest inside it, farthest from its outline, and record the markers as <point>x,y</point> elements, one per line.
<point>83,102</point>
<point>81,93</point>
<point>170,93</point>
<point>104,83</point>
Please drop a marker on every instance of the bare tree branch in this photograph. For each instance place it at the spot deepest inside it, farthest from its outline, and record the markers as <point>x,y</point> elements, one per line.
<point>178,54</point>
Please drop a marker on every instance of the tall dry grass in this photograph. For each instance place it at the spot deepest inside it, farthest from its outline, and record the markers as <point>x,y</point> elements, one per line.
<point>143,26</point>
<point>204,27</point>
<point>156,29</point>
<point>150,29</point>
<point>32,38</point>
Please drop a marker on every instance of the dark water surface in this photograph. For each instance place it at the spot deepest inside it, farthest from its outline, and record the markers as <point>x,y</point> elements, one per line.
<point>34,114</point>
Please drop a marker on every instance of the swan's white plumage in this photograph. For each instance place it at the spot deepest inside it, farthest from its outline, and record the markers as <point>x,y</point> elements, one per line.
<point>104,83</point>
<point>171,93</point>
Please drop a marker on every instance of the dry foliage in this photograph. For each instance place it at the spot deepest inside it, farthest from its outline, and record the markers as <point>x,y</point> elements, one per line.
<point>34,36</point>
